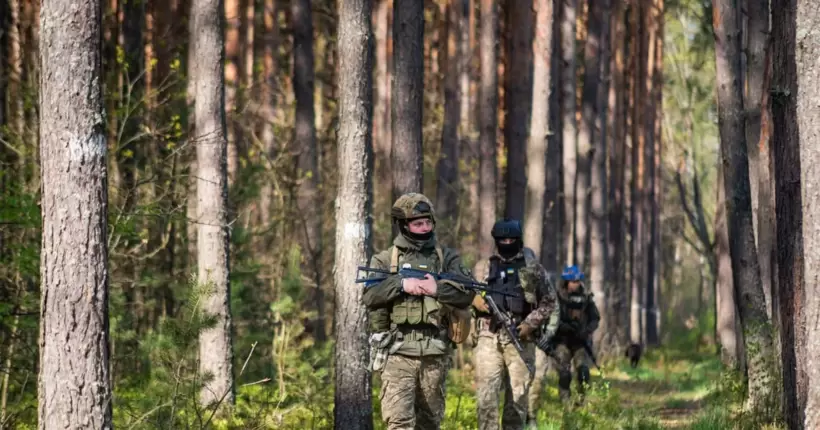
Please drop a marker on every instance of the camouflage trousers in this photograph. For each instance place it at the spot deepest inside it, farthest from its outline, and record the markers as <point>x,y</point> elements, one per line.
<point>413,391</point>
<point>498,366</point>
<point>542,363</point>
<point>565,355</point>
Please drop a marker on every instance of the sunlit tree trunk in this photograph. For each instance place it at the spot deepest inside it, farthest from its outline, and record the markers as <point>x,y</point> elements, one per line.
<point>215,349</point>
<point>568,125</point>
<point>537,144</point>
<point>488,122</point>
<point>75,387</point>
<point>745,268</point>
<point>352,402</point>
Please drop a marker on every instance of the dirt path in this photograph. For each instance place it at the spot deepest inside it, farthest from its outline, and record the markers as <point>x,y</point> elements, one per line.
<point>674,406</point>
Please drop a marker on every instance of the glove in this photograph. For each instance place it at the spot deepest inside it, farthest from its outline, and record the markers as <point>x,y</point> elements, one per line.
<point>525,331</point>
<point>480,304</point>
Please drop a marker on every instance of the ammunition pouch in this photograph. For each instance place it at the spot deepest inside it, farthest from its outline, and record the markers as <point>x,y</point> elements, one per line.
<point>415,310</point>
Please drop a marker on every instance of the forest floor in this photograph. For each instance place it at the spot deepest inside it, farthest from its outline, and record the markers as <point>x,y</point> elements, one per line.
<point>670,389</point>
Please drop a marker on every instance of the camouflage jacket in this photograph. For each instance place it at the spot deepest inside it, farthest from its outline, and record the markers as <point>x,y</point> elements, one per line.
<point>537,286</point>
<point>382,298</point>
<point>577,324</point>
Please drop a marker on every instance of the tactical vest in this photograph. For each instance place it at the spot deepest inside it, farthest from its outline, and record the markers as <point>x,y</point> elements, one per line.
<point>573,307</point>
<point>504,278</point>
<point>416,310</point>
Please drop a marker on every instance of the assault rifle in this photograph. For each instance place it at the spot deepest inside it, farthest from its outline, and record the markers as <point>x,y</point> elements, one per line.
<point>511,329</point>
<point>588,348</point>
<point>408,272</point>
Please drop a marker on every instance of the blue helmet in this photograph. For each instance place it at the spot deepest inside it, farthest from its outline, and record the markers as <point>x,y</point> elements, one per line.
<point>572,273</point>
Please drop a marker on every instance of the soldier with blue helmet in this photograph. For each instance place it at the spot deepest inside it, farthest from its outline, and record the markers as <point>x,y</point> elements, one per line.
<point>579,319</point>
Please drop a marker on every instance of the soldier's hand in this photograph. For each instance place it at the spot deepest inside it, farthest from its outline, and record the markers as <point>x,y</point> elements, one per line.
<point>428,285</point>
<point>480,304</point>
<point>411,286</point>
<point>525,331</point>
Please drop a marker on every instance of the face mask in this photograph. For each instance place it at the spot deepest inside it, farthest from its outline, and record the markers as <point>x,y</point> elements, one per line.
<point>508,250</point>
<point>415,237</point>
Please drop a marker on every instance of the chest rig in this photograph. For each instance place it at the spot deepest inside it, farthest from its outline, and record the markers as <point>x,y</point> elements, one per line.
<point>412,313</point>
<point>504,277</point>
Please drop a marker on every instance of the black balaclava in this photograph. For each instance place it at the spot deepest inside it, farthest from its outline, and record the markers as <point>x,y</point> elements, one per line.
<point>509,250</point>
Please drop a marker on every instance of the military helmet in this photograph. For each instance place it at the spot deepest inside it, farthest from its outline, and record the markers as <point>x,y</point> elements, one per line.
<point>411,206</point>
<point>572,273</point>
<point>507,229</point>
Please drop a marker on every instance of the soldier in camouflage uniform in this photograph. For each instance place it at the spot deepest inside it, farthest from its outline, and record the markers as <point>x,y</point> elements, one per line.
<point>410,318</point>
<point>514,269</point>
<point>579,319</point>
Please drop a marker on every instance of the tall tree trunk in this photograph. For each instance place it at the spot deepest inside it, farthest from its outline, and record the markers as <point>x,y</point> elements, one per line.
<point>568,125</point>
<point>352,402</point>
<point>617,295</point>
<point>470,232</point>
<point>597,159</point>
<point>729,333</point>
<point>518,105</point>
<point>651,102</point>
<point>382,140</point>
<point>745,268</point>
<point>75,387</point>
<point>447,191</point>
<point>806,306</point>
<point>268,45</point>
<point>309,200</point>
<point>232,56</point>
<point>586,132</point>
<point>537,144</point>
<point>788,167</point>
<point>488,120</point>
<point>762,183</point>
<point>637,220</point>
<point>215,350</point>
<point>407,100</point>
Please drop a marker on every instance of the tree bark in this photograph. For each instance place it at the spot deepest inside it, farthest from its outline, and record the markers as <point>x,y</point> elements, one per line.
<point>788,165</point>
<point>762,182</point>
<point>407,100</point>
<point>309,200</point>
<point>552,242</point>
<point>75,387</point>
<point>600,15</point>
<point>745,268</point>
<point>352,402</point>
<point>215,349</point>
<point>586,131</point>
<point>637,219</point>
<point>729,332</point>
<point>568,125</point>
<point>617,297</point>
<point>518,106</point>
<point>447,192</point>
<point>269,42</point>
<point>539,135</point>
<point>488,124</point>
<point>806,305</point>
<point>383,72</point>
